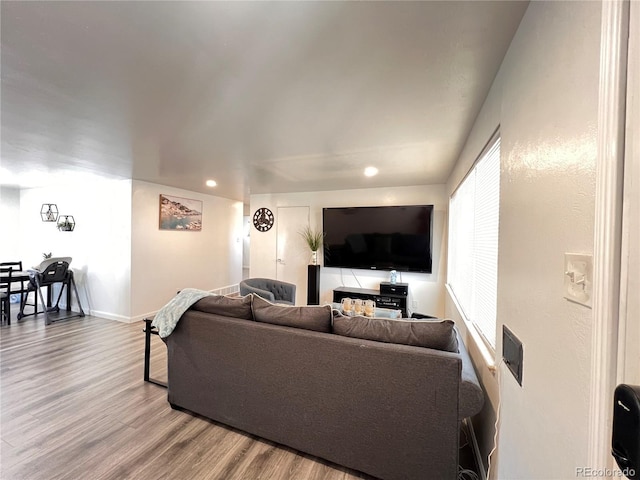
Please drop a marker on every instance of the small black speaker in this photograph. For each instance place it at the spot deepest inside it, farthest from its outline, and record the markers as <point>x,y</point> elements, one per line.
<point>313,284</point>
<point>388,288</point>
<point>625,442</point>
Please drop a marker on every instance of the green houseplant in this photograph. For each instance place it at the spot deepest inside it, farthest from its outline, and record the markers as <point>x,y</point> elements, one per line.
<point>66,223</point>
<point>65,226</point>
<point>314,239</point>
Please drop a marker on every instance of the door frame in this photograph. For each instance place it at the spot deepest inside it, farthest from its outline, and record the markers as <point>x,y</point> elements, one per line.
<point>629,328</point>
<point>608,239</point>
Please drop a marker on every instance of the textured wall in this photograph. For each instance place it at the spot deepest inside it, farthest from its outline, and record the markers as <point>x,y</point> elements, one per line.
<point>545,100</point>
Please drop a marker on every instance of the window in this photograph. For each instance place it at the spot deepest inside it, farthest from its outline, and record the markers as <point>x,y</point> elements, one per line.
<point>473,242</point>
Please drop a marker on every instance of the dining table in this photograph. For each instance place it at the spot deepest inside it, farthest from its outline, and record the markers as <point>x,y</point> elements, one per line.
<point>23,277</point>
<point>17,276</point>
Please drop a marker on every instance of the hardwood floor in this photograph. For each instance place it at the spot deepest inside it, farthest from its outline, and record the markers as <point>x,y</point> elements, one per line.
<point>73,406</point>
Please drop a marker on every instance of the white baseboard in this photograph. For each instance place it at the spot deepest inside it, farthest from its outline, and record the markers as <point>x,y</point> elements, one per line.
<point>121,318</point>
<point>476,450</point>
<point>111,316</point>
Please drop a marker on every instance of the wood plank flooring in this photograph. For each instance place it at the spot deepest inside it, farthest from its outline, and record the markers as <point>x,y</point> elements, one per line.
<point>73,406</point>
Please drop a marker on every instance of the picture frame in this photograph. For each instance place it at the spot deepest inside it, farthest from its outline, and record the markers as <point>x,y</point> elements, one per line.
<point>182,214</point>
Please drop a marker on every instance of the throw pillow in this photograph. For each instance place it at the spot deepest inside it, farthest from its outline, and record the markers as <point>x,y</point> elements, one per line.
<point>436,334</point>
<point>316,318</point>
<point>236,307</point>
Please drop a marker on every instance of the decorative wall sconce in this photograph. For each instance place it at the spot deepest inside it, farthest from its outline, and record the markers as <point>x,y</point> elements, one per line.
<point>49,212</point>
<point>66,223</point>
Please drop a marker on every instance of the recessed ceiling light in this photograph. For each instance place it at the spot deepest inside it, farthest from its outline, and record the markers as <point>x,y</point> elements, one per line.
<point>211,183</point>
<point>370,171</point>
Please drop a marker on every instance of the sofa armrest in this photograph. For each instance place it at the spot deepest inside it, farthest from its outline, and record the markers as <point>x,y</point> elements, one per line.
<point>471,393</point>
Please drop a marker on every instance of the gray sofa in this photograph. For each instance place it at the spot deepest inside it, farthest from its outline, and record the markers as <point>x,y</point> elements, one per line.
<point>389,410</point>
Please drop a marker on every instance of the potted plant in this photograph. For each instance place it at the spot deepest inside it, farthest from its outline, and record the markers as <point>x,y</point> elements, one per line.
<point>314,240</point>
<point>66,223</point>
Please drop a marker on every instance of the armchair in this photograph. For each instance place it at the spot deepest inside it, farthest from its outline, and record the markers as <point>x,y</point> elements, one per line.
<point>275,291</point>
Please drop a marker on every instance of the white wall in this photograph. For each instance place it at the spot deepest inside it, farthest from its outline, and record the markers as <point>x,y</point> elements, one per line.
<point>246,240</point>
<point>545,99</point>
<point>126,268</point>
<point>165,261</point>
<point>10,215</point>
<point>427,290</point>
<point>100,245</point>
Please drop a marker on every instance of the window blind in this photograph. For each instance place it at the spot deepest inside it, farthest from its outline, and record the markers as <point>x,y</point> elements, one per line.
<point>473,242</point>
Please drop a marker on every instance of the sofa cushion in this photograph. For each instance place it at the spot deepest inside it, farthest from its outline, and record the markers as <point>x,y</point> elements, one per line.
<point>316,318</point>
<point>236,307</point>
<point>436,334</point>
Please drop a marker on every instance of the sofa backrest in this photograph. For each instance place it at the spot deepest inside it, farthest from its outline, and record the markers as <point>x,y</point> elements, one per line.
<point>389,410</point>
<point>442,335</point>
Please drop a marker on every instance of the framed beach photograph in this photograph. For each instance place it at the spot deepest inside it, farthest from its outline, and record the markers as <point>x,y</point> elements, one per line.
<point>178,213</point>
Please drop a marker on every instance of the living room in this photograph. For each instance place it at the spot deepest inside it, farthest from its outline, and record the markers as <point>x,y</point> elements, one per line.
<point>544,101</point>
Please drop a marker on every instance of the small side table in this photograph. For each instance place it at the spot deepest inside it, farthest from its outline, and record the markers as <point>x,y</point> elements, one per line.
<point>148,331</point>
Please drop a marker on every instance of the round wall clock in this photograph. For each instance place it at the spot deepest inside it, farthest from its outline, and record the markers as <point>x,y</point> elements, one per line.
<point>263,219</point>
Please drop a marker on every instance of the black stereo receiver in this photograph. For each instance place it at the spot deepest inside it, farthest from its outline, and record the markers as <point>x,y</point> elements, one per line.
<point>388,288</point>
<point>388,302</point>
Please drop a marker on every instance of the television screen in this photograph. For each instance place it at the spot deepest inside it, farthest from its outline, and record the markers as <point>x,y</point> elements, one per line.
<point>378,238</point>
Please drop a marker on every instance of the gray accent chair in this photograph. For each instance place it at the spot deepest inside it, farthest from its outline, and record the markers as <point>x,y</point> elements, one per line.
<point>275,291</point>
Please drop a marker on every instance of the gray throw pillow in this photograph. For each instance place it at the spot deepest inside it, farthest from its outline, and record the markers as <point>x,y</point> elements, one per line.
<point>436,334</point>
<point>236,307</point>
<point>316,318</point>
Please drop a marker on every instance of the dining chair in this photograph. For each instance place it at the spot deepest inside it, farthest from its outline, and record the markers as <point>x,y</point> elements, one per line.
<point>16,267</point>
<point>5,294</point>
<point>49,272</point>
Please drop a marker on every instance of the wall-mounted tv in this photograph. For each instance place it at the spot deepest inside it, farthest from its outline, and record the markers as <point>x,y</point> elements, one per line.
<point>378,238</point>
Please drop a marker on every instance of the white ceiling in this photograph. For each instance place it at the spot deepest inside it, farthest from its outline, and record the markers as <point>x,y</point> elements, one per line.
<point>260,96</point>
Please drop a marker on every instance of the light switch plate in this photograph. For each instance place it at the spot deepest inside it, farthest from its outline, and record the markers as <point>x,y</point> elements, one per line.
<point>578,278</point>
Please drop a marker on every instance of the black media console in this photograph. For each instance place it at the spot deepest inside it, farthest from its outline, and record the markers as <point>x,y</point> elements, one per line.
<point>396,301</point>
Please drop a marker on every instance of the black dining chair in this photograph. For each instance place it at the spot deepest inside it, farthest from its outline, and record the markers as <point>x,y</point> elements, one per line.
<point>13,285</point>
<point>49,272</point>
<point>5,294</point>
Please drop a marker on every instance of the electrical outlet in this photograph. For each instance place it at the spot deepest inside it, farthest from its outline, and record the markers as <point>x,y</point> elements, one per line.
<point>414,305</point>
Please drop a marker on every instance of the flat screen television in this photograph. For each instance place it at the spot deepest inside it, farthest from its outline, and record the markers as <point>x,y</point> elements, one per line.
<point>379,238</point>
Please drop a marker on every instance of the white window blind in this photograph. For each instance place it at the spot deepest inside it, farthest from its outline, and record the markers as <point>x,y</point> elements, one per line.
<point>474,211</point>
